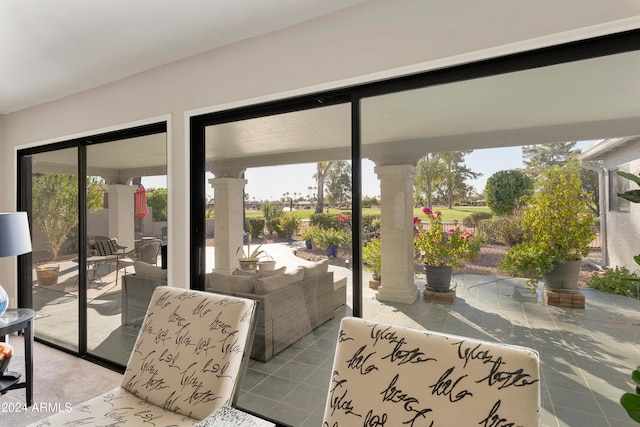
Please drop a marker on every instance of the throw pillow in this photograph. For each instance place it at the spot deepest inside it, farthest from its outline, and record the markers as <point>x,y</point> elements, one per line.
<point>230,283</point>
<point>149,271</point>
<point>276,272</point>
<point>320,267</point>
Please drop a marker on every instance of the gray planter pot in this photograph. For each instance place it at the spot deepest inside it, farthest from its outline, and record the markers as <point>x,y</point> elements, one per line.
<point>438,277</point>
<point>564,276</point>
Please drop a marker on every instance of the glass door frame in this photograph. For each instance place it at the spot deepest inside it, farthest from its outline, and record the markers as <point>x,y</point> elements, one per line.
<point>24,203</point>
<point>601,46</point>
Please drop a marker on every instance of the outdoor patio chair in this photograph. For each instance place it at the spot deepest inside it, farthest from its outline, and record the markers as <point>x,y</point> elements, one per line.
<point>385,374</point>
<point>146,252</point>
<point>188,360</point>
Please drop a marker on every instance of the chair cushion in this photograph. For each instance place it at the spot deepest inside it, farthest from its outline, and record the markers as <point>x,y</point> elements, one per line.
<point>116,407</point>
<point>189,351</point>
<point>149,271</point>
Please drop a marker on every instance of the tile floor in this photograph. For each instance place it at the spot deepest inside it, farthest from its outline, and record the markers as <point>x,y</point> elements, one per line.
<point>587,355</point>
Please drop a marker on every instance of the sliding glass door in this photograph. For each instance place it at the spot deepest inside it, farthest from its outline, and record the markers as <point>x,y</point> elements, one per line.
<point>98,206</point>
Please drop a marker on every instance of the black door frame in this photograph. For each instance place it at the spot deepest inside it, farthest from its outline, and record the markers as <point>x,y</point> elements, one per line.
<point>595,47</point>
<point>24,203</point>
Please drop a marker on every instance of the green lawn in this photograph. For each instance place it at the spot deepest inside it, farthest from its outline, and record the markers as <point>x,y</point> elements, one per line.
<point>458,212</point>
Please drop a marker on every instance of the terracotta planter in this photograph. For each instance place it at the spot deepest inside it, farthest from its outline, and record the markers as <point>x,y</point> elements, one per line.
<point>438,277</point>
<point>564,276</point>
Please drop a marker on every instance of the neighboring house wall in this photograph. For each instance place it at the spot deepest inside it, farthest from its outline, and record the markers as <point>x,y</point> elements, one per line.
<point>623,225</point>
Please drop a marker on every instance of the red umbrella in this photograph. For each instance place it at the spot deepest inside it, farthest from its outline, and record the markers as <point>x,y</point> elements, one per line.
<point>141,202</point>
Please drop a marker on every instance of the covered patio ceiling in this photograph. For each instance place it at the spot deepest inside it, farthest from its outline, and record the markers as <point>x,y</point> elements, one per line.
<point>583,100</point>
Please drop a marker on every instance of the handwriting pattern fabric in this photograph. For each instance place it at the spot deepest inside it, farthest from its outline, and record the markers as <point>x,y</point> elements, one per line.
<point>185,364</point>
<point>391,375</point>
<point>189,351</point>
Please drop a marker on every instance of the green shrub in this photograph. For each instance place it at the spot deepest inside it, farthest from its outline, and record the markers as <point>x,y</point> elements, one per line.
<point>271,212</point>
<point>370,226</point>
<point>372,256</point>
<point>333,236</point>
<point>474,219</point>
<point>506,230</point>
<point>505,188</point>
<point>256,227</point>
<point>286,225</point>
<point>616,281</point>
<point>325,221</point>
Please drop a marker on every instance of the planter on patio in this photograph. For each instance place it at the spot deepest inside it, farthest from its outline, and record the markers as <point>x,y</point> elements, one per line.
<point>47,275</point>
<point>564,276</point>
<point>438,277</point>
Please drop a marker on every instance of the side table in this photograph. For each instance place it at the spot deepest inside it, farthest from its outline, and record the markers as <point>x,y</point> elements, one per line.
<point>17,320</point>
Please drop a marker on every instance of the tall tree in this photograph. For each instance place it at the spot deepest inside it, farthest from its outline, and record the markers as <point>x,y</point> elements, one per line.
<point>55,205</point>
<point>338,181</point>
<point>540,157</point>
<point>321,170</point>
<point>429,177</point>
<point>157,200</point>
<point>455,175</point>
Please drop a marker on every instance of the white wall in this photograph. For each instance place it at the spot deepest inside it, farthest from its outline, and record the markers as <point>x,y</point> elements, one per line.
<point>366,42</point>
<point>623,228</point>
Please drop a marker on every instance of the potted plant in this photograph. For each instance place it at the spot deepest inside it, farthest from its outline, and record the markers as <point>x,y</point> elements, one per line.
<point>440,250</point>
<point>309,235</point>
<point>330,239</point>
<point>557,233</point>
<point>249,259</point>
<point>372,257</point>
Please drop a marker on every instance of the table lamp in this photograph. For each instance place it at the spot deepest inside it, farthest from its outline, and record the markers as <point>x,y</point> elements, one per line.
<point>15,239</point>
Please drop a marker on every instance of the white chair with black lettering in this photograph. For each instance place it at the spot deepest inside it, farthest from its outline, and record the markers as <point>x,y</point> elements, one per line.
<point>385,374</point>
<point>188,360</point>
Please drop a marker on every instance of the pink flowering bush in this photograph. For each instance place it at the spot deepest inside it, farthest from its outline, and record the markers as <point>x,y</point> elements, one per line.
<point>437,246</point>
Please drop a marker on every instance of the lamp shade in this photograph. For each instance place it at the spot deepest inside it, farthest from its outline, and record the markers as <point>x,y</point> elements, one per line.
<point>15,238</point>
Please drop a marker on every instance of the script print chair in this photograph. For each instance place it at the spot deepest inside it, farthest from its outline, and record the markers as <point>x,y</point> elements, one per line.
<point>391,375</point>
<point>187,362</point>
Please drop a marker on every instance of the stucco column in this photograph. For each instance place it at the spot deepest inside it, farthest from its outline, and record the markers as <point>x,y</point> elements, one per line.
<point>396,233</point>
<point>227,227</point>
<point>122,214</point>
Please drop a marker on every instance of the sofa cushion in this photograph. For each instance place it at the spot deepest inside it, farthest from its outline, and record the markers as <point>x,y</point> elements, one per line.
<point>320,267</point>
<point>149,271</point>
<point>230,283</point>
<point>269,284</point>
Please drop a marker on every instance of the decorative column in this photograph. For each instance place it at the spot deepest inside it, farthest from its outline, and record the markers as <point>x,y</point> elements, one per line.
<point>122,214</point>
<point>227,227</point>
<point>396,233</point>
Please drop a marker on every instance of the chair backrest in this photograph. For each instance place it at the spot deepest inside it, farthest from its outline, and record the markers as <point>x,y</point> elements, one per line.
<point>192,350</point>
<point>148,252</point>
<point>391,375</point>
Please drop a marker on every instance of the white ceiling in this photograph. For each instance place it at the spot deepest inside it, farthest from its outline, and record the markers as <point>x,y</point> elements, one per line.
<point>53,48</point>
